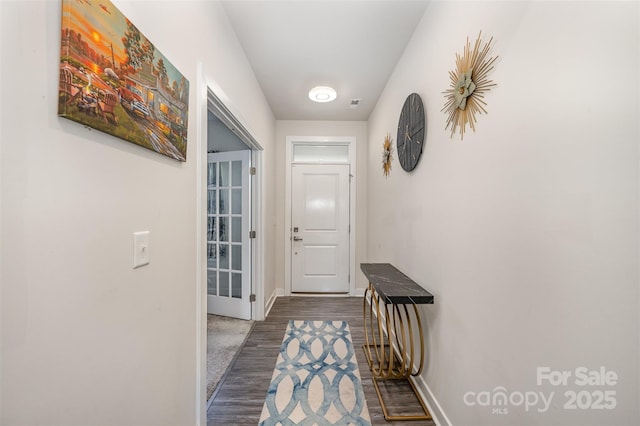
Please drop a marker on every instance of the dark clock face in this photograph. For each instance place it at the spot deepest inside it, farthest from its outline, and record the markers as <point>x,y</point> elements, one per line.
<point>411,131</point>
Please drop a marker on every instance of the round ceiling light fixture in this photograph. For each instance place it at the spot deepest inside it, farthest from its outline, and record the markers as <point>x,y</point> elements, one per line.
<point>322,94</point>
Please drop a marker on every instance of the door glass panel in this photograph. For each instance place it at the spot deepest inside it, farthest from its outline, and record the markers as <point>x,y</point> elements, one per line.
<point>211,256</point>
<point>236,285</point>
<point>303,153</point>
<point>211,174</point>
<point>211,282</point>
<point>236,200</point>
<point>224,228</point>
<point>236,173</point>
<point>236,229</point>
<point>211,229</point>
<point>224,256</point>
<point>211,207</point>
<point>236,257</point>
<point>224,283</point>
<point>224,201</point>
<point>224,173</point>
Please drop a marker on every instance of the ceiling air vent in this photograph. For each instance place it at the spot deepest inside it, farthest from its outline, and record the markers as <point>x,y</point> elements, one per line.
<point>354,103</point>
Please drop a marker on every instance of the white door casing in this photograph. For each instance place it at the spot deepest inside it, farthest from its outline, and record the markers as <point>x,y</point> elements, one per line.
<point>320,196</point>
<point>208,100</point>
<point>228,242</point>
<point>335,155</point>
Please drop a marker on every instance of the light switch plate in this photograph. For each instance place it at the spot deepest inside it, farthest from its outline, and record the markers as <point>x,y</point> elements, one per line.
<point>140,249</point>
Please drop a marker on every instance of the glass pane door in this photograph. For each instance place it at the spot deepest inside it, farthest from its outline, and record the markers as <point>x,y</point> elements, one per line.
<point>228,219</point>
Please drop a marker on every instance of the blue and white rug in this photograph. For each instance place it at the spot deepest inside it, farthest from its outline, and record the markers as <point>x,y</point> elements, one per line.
<point>316,380</point>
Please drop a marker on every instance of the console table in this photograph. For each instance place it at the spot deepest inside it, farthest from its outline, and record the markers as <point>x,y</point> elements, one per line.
<point>390,310</point>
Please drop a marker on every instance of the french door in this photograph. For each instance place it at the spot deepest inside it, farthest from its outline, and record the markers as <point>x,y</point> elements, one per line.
<point>228,226</point>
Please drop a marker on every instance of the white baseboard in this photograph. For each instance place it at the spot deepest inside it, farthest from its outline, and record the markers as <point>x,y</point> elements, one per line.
<point>437,414</point>
<point>270,303</point>
<point>359,292</point>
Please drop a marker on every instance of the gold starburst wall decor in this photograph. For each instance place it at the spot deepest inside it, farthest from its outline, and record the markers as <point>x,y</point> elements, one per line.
<point>469,83</point>
<point>387,155</point>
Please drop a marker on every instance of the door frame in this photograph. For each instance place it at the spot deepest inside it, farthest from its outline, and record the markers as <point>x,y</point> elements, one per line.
<point>209,96</point>
<point>220,110</point>
<point>350,141</point>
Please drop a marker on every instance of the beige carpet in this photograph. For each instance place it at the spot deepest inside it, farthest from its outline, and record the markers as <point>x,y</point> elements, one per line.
<point>225,337</point>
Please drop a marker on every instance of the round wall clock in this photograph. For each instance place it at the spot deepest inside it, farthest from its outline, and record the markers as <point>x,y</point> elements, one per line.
<point>411,131</point>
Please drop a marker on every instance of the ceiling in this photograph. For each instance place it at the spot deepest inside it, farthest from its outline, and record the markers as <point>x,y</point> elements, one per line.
<point>350,45</point>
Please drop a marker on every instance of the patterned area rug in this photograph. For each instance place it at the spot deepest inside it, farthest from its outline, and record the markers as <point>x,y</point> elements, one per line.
<point>316,380</point>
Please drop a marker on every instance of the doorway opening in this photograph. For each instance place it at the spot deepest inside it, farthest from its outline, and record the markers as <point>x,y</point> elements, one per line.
<point>229,253</point>
<point>232,210</point>
<point>233,207</point>
<point>320,215</point>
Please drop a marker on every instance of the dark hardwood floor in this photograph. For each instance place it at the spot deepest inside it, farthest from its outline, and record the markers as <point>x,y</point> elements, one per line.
<point>241,396</point>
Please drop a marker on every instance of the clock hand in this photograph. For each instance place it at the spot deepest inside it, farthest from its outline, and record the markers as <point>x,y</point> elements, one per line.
<point>417,129</point>
<point>415,133</point>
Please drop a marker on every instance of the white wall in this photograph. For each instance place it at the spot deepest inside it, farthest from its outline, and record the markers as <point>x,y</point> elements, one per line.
<point>220,138</point>
<point>526,232</point>
<point>85,338</point>
<point>358,129</point>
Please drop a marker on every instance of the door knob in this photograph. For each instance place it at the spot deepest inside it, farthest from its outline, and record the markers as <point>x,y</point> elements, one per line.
<point>297,239</point>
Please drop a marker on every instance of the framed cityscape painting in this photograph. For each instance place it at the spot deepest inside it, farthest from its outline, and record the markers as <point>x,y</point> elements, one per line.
<point>113,79</point>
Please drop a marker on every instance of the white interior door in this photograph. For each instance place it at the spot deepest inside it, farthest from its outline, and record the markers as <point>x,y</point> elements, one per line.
<point>320,228</point>
<point>228,226</point>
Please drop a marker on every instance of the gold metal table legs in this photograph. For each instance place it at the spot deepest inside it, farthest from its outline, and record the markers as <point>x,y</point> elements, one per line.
<point>389,327</point>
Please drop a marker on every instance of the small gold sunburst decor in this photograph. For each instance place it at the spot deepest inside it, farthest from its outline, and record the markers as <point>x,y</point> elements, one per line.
<point>387,155</point>
<point>469,83</point>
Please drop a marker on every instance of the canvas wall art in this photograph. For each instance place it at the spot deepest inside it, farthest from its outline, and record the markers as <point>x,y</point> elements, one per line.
<point>112,78</point>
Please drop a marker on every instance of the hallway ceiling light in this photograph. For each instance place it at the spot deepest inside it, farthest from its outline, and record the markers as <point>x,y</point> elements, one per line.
<point>322,94</point>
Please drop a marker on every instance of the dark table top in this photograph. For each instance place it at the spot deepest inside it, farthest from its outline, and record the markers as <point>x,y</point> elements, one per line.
<point>394,286</point>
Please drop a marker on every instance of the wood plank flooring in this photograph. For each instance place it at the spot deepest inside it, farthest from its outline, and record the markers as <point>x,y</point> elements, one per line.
<point>241,396</point>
